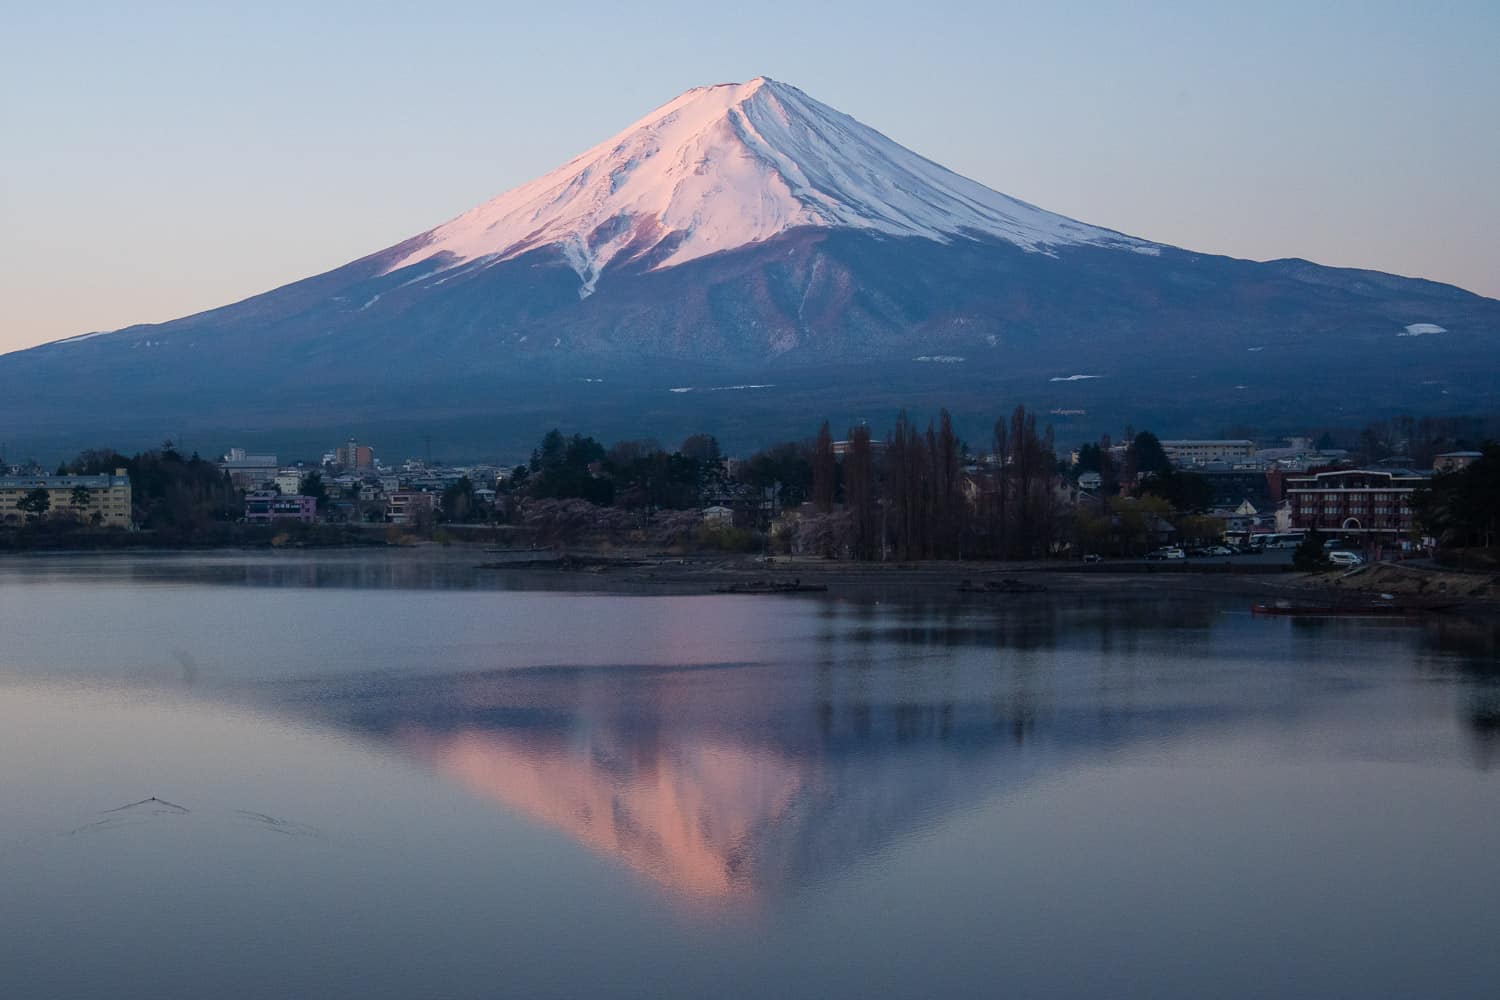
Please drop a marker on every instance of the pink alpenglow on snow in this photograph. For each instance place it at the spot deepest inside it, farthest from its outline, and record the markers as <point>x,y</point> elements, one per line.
<point>738,163</point>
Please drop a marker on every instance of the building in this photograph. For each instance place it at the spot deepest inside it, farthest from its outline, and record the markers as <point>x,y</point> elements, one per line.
<point>841,448</point>
<point>1206,451</point>
<point>410,507</point>
<point>1452,461</point>
<point>355,456</point>
<point>718,515</point>
<point>102,500</point>
<point>289,481</point>
<point>249,472</point>
<point>265,506</point>
<point>1369,503</point>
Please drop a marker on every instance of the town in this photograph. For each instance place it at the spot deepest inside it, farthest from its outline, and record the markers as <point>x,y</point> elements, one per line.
<point>911,494</point>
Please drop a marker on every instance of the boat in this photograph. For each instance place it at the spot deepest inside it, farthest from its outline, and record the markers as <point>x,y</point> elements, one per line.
<point>1332,610</point>
<point>1386,606</point>
<point>771,587</point>
<point>1005,586</point>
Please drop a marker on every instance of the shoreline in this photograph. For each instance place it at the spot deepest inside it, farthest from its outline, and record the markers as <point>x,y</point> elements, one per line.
<point>647,573</point>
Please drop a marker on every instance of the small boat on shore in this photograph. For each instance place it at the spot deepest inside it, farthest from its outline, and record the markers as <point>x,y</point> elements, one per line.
<point>1385,606</point>
<point>1005,586</point>
<point>1332,610</point>
<point>771,587</point>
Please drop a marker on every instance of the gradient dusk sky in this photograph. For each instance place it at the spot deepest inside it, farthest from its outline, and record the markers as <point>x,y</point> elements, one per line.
<point>160,159</point>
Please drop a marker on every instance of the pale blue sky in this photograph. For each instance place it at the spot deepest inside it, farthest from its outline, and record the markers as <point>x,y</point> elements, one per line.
<point>159,159</point>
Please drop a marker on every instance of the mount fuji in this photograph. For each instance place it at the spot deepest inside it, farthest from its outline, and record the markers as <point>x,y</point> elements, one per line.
<point>746,260</point>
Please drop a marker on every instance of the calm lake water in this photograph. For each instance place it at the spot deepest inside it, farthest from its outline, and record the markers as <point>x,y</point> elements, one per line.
<point>390,776</point>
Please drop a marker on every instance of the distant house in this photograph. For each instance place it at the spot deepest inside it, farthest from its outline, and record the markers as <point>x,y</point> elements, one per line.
<point>289,481</point>
<point>718,515</point>
<point>249,472</point>
<point>409,507</point>
<point>1452,461</point>
<point>1202,452</point>
<point>1159,530</point>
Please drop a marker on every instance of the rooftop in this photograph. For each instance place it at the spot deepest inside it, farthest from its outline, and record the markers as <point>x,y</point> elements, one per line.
<point>99,482</point>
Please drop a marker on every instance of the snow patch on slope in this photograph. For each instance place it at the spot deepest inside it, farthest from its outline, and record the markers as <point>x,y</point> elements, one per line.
<point>718,388</point>
<point>1421,330</point>
<point>726,166</point>
<point>86,336</point>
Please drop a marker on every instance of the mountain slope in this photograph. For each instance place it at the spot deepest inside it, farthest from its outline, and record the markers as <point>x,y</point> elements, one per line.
<point>747,235</point>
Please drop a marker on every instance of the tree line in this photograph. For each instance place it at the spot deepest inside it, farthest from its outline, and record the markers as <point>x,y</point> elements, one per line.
<point>911,493</point>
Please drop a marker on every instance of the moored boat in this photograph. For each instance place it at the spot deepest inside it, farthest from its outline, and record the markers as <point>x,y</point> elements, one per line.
<point>1385,606</point>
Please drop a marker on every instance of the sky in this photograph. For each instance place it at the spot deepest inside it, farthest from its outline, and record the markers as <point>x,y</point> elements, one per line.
<point>160,159</point>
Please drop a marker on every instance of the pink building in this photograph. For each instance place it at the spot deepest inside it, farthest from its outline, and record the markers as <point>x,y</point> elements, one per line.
<point>263,508</point>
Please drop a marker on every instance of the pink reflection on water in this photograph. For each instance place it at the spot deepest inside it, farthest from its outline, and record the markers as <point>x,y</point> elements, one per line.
<point>688,817</point>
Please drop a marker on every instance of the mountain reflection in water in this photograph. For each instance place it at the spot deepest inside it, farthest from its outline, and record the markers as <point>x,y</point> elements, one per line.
<point>741,779</point>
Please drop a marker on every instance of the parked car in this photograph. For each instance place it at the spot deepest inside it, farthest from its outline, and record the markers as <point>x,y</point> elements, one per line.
<point>1340,557</point>
<point>1093,557</point>
<point>1170,552</point>
<point>1218,550</point>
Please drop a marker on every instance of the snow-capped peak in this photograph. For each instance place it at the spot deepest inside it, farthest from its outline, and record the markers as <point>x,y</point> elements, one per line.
<point>737,163</point>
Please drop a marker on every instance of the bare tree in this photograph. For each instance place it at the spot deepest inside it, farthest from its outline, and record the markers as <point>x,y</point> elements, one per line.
<point>859,490</point>
<point>825,471</point>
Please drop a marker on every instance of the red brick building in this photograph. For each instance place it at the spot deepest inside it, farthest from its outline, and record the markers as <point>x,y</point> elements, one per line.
<point>1370,504</point>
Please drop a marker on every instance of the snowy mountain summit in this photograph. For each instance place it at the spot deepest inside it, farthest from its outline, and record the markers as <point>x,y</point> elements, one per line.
<point>734,164</point>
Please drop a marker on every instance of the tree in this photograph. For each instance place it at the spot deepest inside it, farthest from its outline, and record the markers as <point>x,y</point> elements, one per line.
<point>80,497</point>
<point>786,467</point>
<point>1462,508</point>
<point>35,502</point>
<point>1188,492</point>
<point>458,501</point>
<point>701,448</point>
<point>947,507</point>
<point>825,471</point>
<point>1309,554</point>
<point>906,481</point>
<point>1146,455</point>
<point>312,485</point>
<point>1000,504</point>
<point>859,489</point>
<point>564,468</point>
<point>1138,519</point>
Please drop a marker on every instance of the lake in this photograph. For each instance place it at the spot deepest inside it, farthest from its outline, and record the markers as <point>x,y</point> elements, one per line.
<point>395,775</point>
